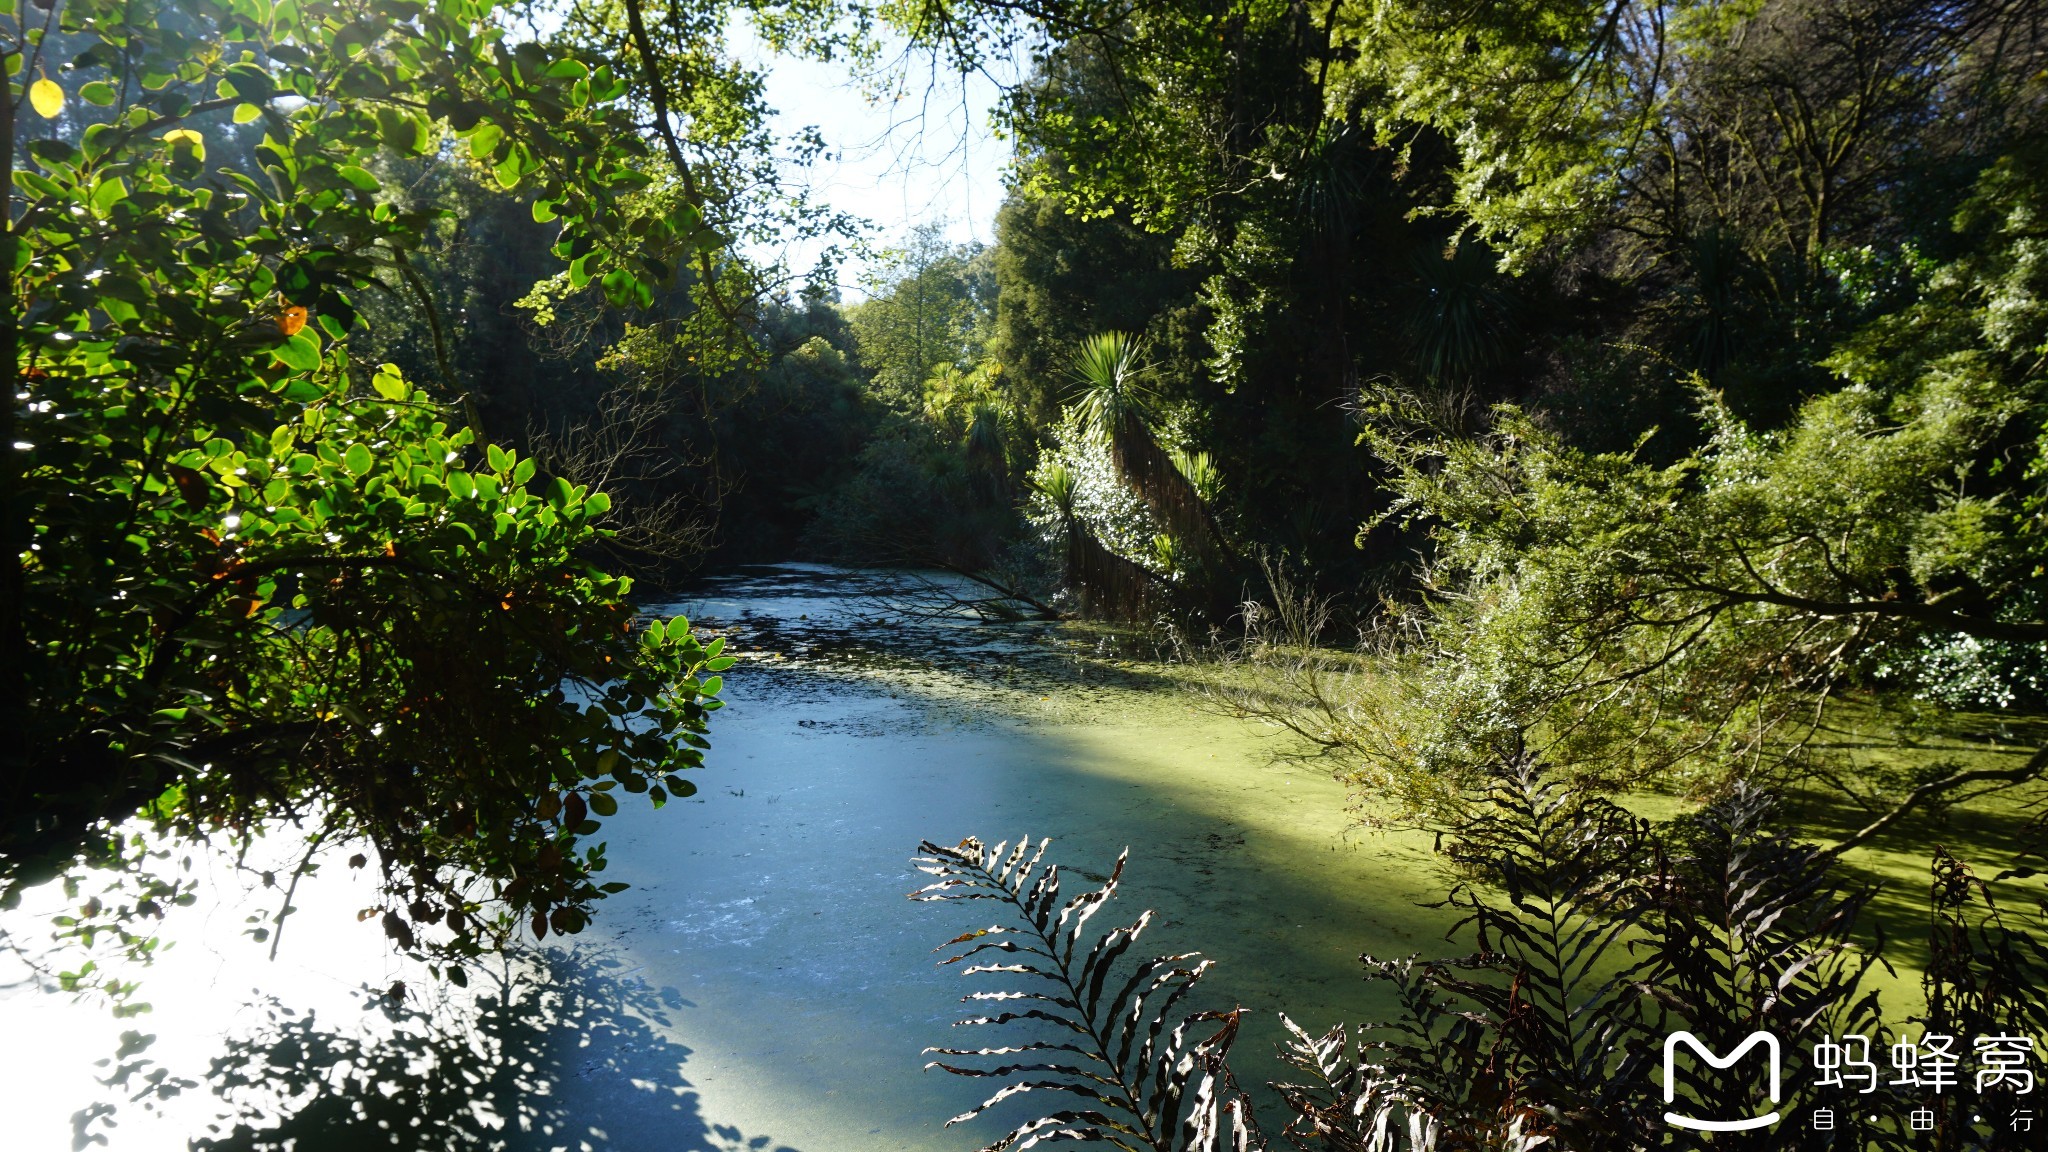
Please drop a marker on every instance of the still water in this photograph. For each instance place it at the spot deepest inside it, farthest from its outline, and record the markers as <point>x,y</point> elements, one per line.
<point>764,984</point>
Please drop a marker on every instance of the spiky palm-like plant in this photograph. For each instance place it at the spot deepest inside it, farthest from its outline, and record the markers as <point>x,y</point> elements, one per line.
<point>1462,324</point>
<point>1113,403</point>
<point>988,456</point>
<point>1200,470</point>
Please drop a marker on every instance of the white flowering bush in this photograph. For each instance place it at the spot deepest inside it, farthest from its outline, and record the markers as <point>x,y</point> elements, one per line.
<point>1102,502</point>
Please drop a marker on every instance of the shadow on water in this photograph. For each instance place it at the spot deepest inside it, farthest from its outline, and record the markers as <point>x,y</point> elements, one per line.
<point>489,1074</point>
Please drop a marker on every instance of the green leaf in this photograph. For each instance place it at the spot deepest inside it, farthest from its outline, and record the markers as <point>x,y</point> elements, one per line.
<point>358,460</point>
<point>359,177</point>
<point>678,628</point>
<point>523,472</point>
<point>389,384</point>
<point>597,505</point>
<point>618,287</point>
<point>108,194</point>
<point>460,485</point>
<point>603,804</point>
<point>485,141</point>
<point>300,351</point>
<point>98,92</point>
<point>185,142</point>
<point>501,460</point>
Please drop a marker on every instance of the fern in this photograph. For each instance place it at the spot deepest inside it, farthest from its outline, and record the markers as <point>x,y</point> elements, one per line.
<point>1143,1078</point>
<point>1985,971</point>
<point>1385,1095</point>
<point>1572,868</point>
<point>1598,934</point>
<point>1751,932</point>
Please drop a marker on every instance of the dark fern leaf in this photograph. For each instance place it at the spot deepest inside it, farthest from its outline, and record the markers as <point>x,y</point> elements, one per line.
<point>1558,883</point>
<point>1749,931</point>
<point>1146,1079</point>
<point>1984,977</point>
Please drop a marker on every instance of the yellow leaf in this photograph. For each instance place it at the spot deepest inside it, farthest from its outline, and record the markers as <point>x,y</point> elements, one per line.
<point>47,97</point>
<point>187,138</point>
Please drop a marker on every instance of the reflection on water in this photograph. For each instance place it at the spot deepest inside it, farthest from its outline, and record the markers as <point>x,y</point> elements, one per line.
<point>488,1075</point>
<point>764,983</point>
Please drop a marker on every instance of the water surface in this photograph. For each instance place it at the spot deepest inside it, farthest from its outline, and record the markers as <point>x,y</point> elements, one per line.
<point>764,983</point>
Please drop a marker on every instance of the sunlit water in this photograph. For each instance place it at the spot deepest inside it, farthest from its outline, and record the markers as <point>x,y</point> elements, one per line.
<point>763,984</point>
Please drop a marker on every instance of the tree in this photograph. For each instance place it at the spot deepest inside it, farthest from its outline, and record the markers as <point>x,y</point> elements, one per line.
<point>1690,624</point>
<point>252,582</point>
<point>1691,178</point>
<point>1061,278</point>
<point>928,311</point>
<point>1185,173</point>
<point>1788,123</point>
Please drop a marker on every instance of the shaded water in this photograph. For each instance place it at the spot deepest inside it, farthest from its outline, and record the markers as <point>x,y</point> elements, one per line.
<point>764,983</point>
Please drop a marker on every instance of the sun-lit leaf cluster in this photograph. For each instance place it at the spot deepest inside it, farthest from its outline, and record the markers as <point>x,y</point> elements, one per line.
<point>252,582</point>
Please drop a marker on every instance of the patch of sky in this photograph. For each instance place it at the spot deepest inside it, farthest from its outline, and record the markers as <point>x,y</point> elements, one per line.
<point>907,143</point>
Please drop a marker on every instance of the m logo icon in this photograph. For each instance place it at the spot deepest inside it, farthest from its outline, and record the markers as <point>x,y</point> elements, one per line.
<point>1671,1043</point>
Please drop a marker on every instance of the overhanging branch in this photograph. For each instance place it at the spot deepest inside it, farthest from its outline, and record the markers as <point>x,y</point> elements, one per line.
<point>2031,770</point>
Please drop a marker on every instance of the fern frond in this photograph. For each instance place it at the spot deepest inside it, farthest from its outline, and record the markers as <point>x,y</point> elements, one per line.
<point>1155,1081</point>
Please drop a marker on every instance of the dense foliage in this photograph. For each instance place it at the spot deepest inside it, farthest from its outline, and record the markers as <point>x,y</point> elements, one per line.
<point>259,582</point>
<point>1694,352</point>
<point>1582,207</point>
<point>1689,622</point>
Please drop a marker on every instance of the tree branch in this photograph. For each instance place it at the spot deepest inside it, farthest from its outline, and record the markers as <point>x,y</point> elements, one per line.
<point>2031,770</point>
<point>1984,628</point>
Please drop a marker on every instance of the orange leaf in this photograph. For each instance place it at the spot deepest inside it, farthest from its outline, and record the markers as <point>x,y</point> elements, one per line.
<point>291,320</point>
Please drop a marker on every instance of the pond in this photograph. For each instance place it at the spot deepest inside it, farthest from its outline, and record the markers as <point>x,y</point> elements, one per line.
<point>764,983</point>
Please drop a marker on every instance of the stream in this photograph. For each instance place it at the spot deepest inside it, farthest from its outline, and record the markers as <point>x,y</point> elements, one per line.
<point>764,983</point>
